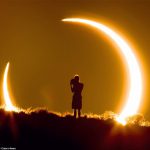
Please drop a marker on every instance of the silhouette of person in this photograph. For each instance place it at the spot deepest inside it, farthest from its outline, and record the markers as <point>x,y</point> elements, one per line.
<point>76,88</point>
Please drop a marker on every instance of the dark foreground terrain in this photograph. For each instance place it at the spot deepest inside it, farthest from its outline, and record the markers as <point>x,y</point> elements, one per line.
<point>44,130</point>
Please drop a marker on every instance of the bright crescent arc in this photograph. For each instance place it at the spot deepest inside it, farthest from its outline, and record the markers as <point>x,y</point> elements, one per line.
<point>8,102</point>
<point>135,77</point>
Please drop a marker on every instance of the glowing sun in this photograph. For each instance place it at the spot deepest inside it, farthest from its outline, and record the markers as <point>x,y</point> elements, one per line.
<point>135,78</point>
<point>8,102</point>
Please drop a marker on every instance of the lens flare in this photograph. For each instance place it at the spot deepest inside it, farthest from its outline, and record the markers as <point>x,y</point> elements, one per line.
<point>135,77</point>
<point>8,103</point>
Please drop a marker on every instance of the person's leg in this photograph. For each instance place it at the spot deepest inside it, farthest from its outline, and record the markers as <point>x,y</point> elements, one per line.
<point>79,113</point>
<point>75,113</point>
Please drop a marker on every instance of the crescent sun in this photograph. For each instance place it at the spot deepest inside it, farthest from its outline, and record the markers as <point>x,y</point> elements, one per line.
<point>8,102</point>
<point>132,65</point>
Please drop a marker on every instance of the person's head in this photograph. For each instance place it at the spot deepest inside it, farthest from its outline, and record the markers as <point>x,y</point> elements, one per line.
<point>76,78</point>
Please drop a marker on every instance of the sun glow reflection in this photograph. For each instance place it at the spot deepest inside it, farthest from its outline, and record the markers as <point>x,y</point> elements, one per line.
<point>134,92</point>
<point>8,102</point>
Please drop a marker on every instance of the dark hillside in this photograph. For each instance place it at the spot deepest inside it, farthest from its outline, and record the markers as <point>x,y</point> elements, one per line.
<point>44,130</point>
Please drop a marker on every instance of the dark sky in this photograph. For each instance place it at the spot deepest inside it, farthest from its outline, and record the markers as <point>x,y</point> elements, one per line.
<point>45,53</point>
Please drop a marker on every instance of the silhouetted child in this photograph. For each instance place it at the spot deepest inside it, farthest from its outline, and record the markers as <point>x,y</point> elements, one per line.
<point>76,88</point>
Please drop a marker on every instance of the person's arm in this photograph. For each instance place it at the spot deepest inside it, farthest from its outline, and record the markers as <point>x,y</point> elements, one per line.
<point>71,85</point>
<point>82,85</point>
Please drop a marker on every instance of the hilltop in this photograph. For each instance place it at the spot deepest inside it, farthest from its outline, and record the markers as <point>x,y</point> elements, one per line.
<point>41,129</point>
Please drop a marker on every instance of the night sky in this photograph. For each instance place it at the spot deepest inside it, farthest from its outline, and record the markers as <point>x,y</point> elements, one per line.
<point>45,53</point>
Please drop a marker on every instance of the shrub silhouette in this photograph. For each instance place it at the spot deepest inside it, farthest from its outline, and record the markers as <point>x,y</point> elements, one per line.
<point>41,129</point>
